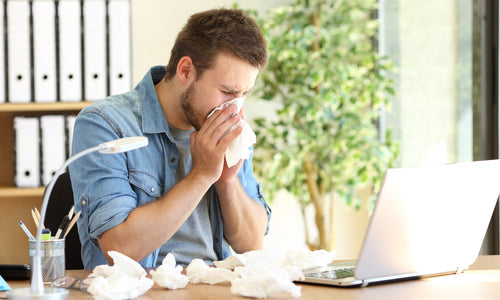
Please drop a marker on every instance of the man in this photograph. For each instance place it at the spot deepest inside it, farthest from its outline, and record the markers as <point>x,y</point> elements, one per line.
<point>177,195</point>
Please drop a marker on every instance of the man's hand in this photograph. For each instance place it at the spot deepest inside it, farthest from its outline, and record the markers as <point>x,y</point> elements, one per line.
<point>209,144</point>
<point>229,173</point>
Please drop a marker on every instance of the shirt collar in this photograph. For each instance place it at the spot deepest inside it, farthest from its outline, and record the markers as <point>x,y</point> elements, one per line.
<point>153,117</point>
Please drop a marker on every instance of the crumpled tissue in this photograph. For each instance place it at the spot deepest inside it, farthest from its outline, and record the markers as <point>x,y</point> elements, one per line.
<point>233,261</point>
<point>266,285</point>
<point>257,274</point>
<point>306,259</point>
<point>267,273</point>
<point>168,275</point>
<point>239,147</point>
<point>199,272</point>
<point>126,279</point>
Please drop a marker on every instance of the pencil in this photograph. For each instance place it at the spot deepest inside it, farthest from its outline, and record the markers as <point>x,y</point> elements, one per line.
<point>38,217</point>
<point>71,224</point>
<point>64,223</point>
<point>35,219</point>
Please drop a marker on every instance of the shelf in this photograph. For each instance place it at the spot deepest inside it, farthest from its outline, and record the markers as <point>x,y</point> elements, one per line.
<point>37,107</point>
<point>15,192</point>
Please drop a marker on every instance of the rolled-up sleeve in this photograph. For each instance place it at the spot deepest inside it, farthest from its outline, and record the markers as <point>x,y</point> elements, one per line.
<point>100,181</point>
<point>252,187</point>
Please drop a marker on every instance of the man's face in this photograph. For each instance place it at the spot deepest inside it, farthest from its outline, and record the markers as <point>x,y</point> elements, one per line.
<point>229,78</point>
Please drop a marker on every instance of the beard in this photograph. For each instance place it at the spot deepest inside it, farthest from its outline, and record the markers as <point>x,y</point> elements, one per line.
<point>186,100</point>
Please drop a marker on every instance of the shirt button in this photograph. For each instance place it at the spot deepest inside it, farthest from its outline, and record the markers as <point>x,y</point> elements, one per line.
<point>172,160</point>
<point>84,202</point>
<point>152,190</point>
<point>216,240</point>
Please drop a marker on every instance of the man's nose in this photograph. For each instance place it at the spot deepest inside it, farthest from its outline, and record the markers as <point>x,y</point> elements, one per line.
<point>240,94</point>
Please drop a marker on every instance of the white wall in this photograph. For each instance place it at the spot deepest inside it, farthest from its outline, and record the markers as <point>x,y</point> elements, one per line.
<point>287,230</point>
<point>155,24</point>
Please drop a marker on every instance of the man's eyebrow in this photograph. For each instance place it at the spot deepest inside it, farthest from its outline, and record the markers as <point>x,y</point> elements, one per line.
<point>228,89</point>
<point>231,90</point>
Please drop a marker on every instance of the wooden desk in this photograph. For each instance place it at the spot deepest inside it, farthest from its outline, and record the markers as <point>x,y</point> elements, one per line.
<point>482,281</point>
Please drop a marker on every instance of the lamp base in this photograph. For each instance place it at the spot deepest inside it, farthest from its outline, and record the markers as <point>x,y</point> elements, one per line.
<point>48,294</point>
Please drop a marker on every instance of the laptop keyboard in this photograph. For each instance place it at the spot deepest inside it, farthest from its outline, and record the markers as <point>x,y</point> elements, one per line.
<point>333,274</point>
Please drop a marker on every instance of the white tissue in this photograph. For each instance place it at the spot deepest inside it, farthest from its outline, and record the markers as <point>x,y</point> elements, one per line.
<point>126,279</point>
<point>233,261</point>
<point>257,274</point>
<point>265,285</point>
<point>305,259</point>
<point>168,275</point>
<point>239,147</point>
<point>266,273</point>
<point>199,272</point>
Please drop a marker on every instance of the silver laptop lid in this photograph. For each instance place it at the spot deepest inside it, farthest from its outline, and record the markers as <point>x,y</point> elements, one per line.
<point>429,219</point>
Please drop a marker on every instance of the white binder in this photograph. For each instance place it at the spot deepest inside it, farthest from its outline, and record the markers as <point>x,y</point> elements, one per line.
<point>70,55</point>
<point>94,16</point>
<point>119,46</point>
<point>44,50</point>
<point>18,35</point>
<point>27,151</point>
<point>53,145</point>
<point>70,126</point>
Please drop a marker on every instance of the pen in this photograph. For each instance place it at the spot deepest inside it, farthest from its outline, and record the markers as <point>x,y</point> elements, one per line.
<point>62,227</point>
<point>64,223</point>
<point>25,229</point>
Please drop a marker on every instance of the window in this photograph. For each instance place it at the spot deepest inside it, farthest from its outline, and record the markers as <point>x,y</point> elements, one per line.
<point>430,43</point>
<point>446,106</point>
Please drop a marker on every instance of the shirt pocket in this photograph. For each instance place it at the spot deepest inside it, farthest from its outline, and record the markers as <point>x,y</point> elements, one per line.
<point>145,186</point>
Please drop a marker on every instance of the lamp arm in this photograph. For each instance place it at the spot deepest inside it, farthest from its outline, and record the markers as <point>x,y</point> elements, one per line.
<point>37,280</point>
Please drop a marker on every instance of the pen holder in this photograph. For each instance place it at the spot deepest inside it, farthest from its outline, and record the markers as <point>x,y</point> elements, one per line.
<point>51,257</point>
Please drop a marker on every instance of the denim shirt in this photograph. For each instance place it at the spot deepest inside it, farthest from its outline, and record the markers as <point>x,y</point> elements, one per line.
<point>107,187</point>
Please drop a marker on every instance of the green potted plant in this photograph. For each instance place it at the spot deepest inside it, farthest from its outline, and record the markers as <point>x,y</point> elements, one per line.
<point>331,85</point>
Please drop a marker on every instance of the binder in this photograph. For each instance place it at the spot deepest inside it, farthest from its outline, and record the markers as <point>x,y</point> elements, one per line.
<point>70,125</point>
<point>53,145</point>
<point>44,50</point>
<point>2,52</point>
<point>119,46</point>
<point>18,36</point>
<point>94,31</point>
<point>27,151</point>
<point>70,56</point>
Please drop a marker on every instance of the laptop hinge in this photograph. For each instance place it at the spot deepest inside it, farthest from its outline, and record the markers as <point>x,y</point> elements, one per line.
<point>365,283</point>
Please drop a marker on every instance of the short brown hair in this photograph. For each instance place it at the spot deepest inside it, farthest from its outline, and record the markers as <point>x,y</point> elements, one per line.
<point>216,31</point>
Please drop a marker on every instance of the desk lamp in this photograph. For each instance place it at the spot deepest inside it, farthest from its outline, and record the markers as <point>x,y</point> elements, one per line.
<point>37,290</point>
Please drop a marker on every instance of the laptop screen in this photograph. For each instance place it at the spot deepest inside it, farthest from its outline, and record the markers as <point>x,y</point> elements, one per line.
<point>429,219</point>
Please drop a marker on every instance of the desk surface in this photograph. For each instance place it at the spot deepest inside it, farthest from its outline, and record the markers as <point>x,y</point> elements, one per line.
<point>481,281</point>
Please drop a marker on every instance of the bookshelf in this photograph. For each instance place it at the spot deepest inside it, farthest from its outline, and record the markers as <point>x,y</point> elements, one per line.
<point>52,50</point>
<point>16,203</point>
<point>43,107</point>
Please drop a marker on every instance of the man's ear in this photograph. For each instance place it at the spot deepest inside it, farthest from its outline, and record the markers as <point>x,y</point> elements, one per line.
<point>185,69</point>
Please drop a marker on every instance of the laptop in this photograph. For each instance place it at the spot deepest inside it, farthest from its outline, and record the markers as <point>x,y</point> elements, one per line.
<point>427,221</point>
